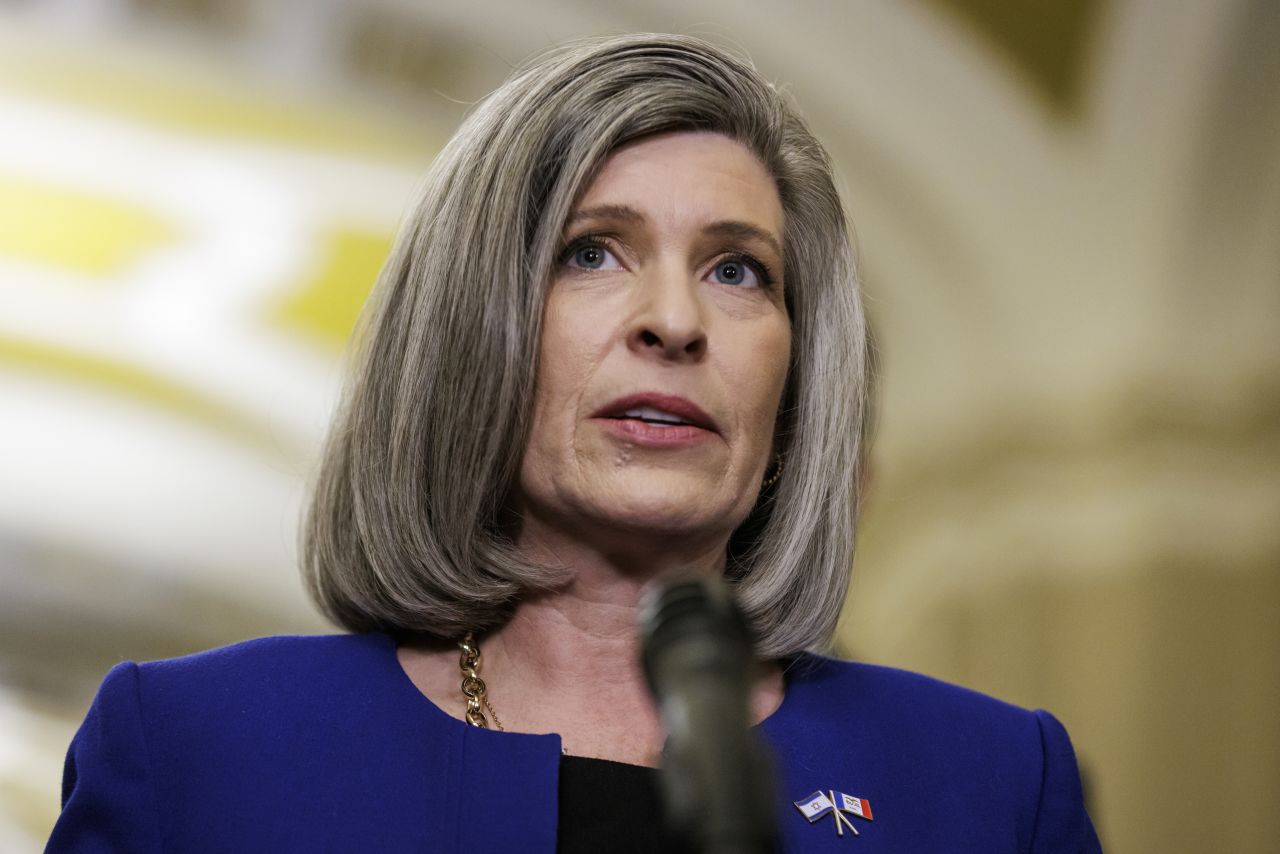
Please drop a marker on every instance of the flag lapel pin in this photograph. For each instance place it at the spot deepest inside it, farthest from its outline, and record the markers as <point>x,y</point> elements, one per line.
<point>837,804</point>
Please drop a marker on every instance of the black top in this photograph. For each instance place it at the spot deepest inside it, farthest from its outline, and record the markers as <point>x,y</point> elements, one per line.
<point>610,806</point>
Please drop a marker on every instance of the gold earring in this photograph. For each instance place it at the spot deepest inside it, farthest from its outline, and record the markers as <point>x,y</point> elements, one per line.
<point>777,472</point>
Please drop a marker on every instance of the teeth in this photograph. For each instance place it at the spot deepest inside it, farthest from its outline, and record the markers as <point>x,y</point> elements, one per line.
<point>648,413</point>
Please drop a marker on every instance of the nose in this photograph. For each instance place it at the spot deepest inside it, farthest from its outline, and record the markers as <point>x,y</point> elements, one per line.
<point>668,322</point>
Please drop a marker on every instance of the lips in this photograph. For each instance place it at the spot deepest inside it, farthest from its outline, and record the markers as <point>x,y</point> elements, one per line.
<point>659,409</point>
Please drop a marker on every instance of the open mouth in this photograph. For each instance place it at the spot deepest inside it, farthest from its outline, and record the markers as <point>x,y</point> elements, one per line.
<point>649,415</point>
<point>647,410</point>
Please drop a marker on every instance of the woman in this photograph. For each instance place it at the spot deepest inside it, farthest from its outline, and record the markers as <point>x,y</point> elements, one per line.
<point>619,340</point>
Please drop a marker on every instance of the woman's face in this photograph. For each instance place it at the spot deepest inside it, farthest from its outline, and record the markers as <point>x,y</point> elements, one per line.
<point>665,344</point>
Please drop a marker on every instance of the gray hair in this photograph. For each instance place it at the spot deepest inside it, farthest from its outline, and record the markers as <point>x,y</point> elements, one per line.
<point>409,528</point>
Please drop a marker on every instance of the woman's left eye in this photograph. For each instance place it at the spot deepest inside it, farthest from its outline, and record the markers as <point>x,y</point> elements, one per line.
<point>736,271</point>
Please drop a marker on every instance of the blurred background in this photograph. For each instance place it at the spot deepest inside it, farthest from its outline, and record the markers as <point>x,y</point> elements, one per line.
<point>1068,212</point>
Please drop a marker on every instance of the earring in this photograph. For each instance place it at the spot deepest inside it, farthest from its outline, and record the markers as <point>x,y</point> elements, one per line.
<point>777,472</point>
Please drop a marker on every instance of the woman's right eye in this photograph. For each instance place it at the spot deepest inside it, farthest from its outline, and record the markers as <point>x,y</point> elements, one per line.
<point>591,256</point>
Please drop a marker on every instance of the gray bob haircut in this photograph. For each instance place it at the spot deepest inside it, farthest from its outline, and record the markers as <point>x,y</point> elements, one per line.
<point>409,526</point>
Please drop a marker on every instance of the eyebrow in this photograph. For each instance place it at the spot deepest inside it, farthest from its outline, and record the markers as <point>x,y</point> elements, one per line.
<point>729,229</point>
<point>622,213</point>
<point>734,230</point>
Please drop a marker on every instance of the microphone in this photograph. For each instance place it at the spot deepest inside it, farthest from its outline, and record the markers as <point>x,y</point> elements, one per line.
<point>717,783</point>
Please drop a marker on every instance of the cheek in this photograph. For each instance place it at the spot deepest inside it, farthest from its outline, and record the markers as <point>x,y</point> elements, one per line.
<point>564,357</point>
<point>565,366</point>
<point>768,362</point>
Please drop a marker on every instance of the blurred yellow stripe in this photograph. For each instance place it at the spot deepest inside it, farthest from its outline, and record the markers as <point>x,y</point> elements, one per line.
<point>326,307</point>
<point>137,383</point>
<point>173,95</point>
<point>73,229</point>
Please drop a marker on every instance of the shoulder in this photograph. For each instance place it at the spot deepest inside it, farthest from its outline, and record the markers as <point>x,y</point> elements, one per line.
<point>925,718</point>
<point>262,668</point>
<point>300,709</point>
<point>265,658</point>
<point>273,678</point>
<point>947,755</point>
<point>275,651</point>
<point>265,740</point>
<point>900,694</point>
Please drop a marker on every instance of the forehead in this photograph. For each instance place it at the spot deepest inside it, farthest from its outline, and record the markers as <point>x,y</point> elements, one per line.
<point>686,177</point>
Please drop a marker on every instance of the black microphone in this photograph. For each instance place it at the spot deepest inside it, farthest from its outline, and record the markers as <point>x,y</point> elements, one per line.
<point>717,783</point>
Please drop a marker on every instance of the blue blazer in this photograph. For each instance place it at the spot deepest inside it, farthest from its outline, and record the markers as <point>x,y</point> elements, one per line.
<point>324,744</point>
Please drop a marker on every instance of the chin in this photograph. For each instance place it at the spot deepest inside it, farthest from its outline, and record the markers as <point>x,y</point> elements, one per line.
<point>664,505</point>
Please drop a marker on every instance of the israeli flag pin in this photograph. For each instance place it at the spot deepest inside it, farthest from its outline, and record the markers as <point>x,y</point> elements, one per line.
<point>835,803</point>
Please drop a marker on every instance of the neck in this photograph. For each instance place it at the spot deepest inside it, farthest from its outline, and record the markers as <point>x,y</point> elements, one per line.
<point>568,660</point>
<point>588,626</point>
<point>573,653</point>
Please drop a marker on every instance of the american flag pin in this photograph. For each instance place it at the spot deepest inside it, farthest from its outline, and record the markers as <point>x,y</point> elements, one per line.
<point>835,803</point>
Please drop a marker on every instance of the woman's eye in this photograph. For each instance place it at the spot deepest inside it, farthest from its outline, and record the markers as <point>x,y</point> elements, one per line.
<point>592,256</point>
<point>736,272</point>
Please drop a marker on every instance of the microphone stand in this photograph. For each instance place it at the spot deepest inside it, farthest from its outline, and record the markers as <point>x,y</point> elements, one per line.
<point>717,782</point>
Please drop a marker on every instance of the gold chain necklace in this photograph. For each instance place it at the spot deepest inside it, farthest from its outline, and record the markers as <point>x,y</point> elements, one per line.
<point>473,687</point>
